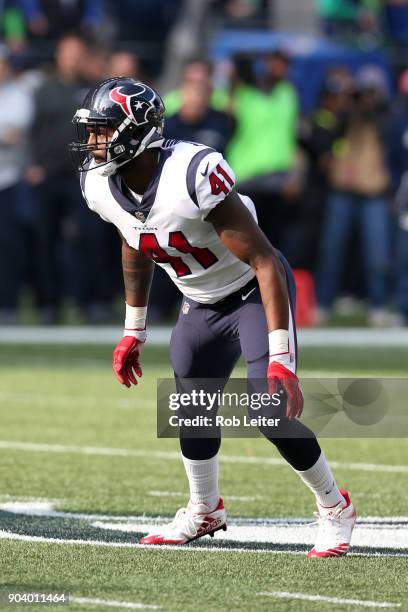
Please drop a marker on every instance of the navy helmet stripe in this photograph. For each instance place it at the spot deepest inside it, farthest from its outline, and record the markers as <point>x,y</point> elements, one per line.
<point>192,172</point>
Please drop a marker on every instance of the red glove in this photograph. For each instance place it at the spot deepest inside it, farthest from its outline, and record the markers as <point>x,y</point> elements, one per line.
<point>279,376</point>
<point>126,360</point>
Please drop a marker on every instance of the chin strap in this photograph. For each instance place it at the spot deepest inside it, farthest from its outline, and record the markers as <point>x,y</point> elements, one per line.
<point>152,140</point>
<point>108,169</point>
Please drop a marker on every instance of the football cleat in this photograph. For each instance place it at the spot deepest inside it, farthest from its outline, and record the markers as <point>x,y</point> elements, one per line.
<point>335,529</point>
<point>188,525</point>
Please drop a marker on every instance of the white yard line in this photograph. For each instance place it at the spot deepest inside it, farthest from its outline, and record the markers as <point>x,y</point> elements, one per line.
<point>335,600</point>
<point>112,603</point>
<point>86,450</point>
<point>5,535</point>
<point>168,455</point>
<point>88,400</point>
<point>160,336</point>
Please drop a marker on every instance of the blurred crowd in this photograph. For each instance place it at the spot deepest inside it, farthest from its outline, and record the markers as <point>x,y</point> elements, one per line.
<point>31,27</point>
<point>330,186</point>
<point>365,22</point>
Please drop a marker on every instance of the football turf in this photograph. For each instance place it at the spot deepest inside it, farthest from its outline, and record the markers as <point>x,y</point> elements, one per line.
<point>73,438</point>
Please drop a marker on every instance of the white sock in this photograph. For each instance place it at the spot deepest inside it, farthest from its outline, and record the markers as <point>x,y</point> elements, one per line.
<point>320,480</point>
<point>203,480</point>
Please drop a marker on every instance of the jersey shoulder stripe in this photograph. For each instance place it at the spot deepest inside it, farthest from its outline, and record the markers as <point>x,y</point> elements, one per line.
<point>192,172</point>
<point>170,143</point>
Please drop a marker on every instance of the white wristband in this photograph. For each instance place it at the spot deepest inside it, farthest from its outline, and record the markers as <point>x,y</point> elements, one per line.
<point>279,346</point>
<point>135,322</point>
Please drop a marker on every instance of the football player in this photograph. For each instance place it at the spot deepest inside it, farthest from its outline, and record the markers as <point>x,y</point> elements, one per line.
<point>175,205</point>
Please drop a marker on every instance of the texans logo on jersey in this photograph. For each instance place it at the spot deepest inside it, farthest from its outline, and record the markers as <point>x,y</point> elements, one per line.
<point>136,110</point>
<point>140,216</point>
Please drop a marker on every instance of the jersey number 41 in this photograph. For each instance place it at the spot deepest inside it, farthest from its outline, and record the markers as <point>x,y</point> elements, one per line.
<point>151,248</point>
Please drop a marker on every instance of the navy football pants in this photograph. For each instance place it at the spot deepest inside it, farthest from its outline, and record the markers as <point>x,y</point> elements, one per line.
<point>207,342</point>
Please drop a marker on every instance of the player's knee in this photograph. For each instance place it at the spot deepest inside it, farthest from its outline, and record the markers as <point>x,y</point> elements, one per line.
<point>198,449</point>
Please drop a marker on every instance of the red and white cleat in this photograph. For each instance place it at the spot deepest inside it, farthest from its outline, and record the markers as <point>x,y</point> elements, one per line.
<point>335,529</point>
<point>190,524</point>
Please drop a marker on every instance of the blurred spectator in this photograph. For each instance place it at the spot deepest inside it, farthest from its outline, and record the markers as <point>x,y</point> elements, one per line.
<point>94,64</point>
<point>148,22</point>
<point>13,26</point>
<point>346,19</point>
<point>54,18</point>
<point>197,72</point>
<point>399,165</point>
<point>15,117</point>
<point>359,181</point>
<point>196,121</point>
<point>398,135</point>
<point>396,17</point>
<point>265,139</point>
<point>263,148</point>
<point>318,135</point>
<point>243,13</point>
<point>337,15</point>
<point>124,63</point>
<point>69,242</point>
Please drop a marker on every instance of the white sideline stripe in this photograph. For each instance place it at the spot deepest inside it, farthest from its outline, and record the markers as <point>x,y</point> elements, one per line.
<point>160,336</point>
<point>112,603</point>
<point>378,535</point>
<point>6,535</point>
<point>183,494</point>
<point>130,452</point>
<point>346,602</point>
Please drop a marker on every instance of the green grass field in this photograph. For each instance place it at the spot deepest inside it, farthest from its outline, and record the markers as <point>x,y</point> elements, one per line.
<point>81,472</point>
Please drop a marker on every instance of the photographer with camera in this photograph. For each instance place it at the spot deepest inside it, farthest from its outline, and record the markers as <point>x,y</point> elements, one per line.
<point>359,182</point>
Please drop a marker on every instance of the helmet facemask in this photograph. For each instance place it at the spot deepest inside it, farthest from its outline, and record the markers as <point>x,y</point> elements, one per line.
<point>126,143</point>
<point>126,118</point>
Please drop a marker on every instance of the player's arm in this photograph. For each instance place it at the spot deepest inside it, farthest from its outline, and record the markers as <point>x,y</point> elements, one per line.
<point>242,236</point>
<point>137,276</point>
<point>240,233</point>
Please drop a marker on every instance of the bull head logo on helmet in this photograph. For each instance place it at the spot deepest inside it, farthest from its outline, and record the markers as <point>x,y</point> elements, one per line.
<point>129,106</point>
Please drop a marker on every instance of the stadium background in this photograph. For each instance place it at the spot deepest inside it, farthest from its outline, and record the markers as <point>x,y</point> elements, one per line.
<point>323,152</point>
<point>309,102</point>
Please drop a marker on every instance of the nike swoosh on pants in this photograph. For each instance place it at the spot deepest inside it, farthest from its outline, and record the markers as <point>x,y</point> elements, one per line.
<point>244,297</point>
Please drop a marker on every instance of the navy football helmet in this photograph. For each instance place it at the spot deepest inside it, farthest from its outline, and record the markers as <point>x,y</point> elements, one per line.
<point>132,109</point>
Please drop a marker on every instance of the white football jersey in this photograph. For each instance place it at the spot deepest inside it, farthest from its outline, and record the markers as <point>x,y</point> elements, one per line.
<point>168,223</point>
